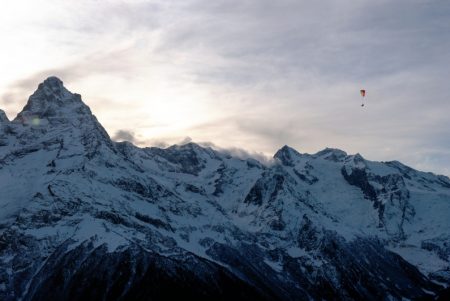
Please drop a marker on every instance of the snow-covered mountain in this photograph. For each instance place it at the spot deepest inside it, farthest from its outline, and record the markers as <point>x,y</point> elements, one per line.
<point>82,216</point>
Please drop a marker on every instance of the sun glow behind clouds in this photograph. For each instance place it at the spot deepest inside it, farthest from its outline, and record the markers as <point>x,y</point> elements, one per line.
<point>120,76</point>
<point>249,74</point>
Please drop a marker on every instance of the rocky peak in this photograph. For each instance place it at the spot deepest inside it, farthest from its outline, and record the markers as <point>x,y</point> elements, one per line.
<point>356,161</point>
<point>53,108</point>
<point>190,157</point>
<point>287,155</point>
<point>3,117</point>
<point>332,154</point>
<point>358,158</point>
<point>52,101</point>
<point>52,86</point>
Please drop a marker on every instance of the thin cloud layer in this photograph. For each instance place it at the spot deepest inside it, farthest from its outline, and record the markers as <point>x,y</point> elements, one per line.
<point>251,75</point>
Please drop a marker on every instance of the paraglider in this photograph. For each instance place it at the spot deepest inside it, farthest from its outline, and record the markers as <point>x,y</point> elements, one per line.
<point>363,94</point>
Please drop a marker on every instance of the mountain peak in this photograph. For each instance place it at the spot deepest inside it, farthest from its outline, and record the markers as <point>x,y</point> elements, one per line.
<point>287,155</point>
<point>358,158</point>
<point>52,88</point>
<point>53,82</point>
<point>51,101</point>
<point>53,108</point>
<point>331,154</point>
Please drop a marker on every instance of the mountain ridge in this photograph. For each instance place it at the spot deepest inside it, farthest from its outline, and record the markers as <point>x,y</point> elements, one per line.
<point>327,225</point>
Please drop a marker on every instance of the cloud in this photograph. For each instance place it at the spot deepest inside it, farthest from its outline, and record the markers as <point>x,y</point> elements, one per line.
<point>270,72</point>
<point>124,135</point>
<point>157,143</point>
<point>139,141</point>
<point>241,153</point>
<point>116,62</point>
<point>22,87</point>
<point>186,140</point>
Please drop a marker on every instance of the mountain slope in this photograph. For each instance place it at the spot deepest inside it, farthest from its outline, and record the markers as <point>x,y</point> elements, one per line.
<point>85,217</point>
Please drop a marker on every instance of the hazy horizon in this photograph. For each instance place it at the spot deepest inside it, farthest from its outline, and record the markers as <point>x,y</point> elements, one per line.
<point>245,75</point>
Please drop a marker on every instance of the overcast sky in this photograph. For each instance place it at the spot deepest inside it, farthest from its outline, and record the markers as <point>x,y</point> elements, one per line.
<point>252,75</point>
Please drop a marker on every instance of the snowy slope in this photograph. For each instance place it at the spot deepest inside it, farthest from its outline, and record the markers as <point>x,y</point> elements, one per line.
<point>327,225</point>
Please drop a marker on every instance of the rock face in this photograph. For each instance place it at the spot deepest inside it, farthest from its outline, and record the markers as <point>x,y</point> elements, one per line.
<point>83,217</point>
<point>3,117</point>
